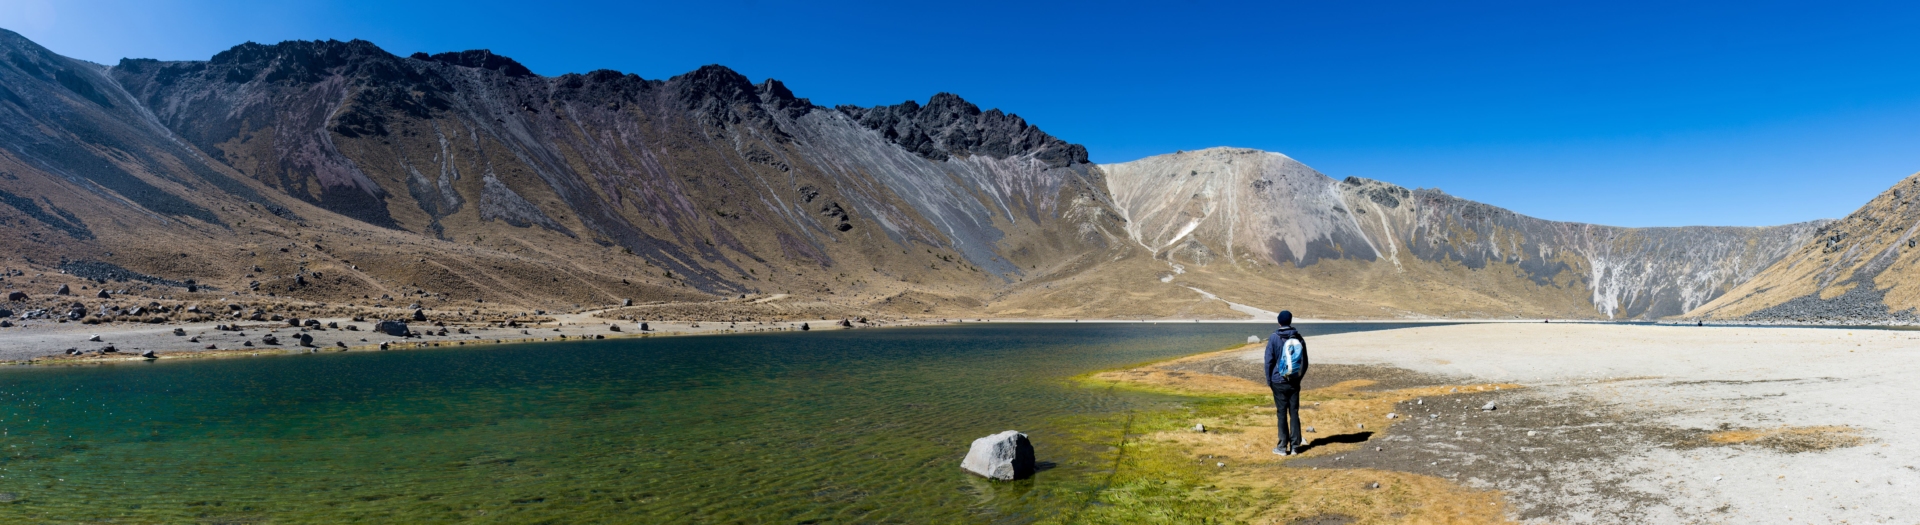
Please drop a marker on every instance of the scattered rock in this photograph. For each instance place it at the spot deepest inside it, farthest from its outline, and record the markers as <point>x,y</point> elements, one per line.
<point>419,315</point>
<point>1309,430</point>
<point>393,328</point>
<point>293,321</point>
<point>6,324</point>
<point>149,355</point>
<point>177,332</point>
<point>615,328</point>
<point>1391,415</point>
<point>383,346</point>
<point>16,296</point>
<point>626,302</point>
<point>644,328</point>
<point>341,344</point>
<point>334,326</point>
<point>1489,406</point>
<point>109,349</point>
<point>846,324</point>
<point>212,347</point>
<point>305,339</point>
<point>804,327</point>
<point>1003,456</point>
<point>270,339</point>
<point>194,339</point>
<point>103,295</point>
<point>63,290</point>
<point>1199,427</point>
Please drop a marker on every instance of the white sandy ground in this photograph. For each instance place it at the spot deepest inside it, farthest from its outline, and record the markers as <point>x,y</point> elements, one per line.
<point>1696,377</point>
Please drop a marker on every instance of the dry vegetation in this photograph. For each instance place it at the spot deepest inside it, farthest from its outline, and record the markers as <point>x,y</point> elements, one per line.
<point>1172,473</point>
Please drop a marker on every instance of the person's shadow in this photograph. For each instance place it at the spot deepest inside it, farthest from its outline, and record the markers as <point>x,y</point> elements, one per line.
<point>1355,437</point>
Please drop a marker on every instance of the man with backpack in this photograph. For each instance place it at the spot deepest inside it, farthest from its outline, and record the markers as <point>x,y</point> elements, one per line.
<point>1286,366</point>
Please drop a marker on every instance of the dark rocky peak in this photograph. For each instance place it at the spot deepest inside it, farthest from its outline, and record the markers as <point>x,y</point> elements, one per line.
<point>602,86</point>
<point>775,95</point>
<point>949,125</point>
<point>478,58</point>
<point>296,61</point>
<point>713,82</point>
<point>722,98</point>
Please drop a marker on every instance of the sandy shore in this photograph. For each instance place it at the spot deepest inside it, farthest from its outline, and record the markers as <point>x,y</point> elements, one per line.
<point>1661,424</point>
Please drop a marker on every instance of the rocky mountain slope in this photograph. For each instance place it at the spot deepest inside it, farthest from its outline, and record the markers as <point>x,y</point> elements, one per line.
<point>337,175</point>
<point>1263,224</point>
<point>335,171</point>
<point>1859,270</point>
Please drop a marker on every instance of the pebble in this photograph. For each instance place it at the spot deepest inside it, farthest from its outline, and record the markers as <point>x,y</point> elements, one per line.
<point>1489,406</point>
<point>1530,433</point>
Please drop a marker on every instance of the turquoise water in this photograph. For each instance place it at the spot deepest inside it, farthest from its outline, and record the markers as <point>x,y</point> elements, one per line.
<point>828,426</point>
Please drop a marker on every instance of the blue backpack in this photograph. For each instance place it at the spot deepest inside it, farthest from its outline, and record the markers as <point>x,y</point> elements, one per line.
<point>1293,358</point>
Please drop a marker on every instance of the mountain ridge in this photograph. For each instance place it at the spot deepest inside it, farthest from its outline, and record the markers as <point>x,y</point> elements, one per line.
<point>464,179</point>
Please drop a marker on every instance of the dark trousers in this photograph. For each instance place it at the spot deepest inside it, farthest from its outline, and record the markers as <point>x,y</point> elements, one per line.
<point>1286,404</point>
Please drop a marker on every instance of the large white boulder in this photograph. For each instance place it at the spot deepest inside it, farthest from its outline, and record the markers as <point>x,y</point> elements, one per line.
<point>1004,456</point>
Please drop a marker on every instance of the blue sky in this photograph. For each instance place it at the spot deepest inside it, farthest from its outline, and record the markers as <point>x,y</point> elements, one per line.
<point>1632,114</point>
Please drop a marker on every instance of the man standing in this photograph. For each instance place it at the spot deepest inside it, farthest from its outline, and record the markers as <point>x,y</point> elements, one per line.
<point>1286,366</point>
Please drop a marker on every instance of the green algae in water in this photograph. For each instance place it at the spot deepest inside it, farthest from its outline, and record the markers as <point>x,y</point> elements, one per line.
<point>829,426</point>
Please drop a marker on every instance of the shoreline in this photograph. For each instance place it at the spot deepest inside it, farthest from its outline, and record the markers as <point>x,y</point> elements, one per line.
<point>1610,423</point>
<point>48,343</point>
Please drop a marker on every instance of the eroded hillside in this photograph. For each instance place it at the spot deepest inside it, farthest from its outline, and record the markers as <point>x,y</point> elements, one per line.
<point>1250,225</point>
<point>1858,270</point>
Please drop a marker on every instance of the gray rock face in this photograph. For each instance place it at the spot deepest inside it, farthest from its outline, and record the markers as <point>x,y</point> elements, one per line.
<point>1247,208</point>
<point>393,328</point>
<point>1003,456</point>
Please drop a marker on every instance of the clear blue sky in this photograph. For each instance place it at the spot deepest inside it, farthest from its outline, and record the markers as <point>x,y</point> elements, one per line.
<point>1747,113</point>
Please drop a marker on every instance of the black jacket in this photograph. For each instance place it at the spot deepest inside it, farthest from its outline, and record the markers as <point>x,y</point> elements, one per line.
<point>1275,344</point>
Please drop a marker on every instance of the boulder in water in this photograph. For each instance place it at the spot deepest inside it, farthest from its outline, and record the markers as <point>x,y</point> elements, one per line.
<point>1003,456</point>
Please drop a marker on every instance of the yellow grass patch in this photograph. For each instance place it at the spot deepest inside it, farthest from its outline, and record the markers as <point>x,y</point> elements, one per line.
<point>1343,416</point>
<point>1791,439</point>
